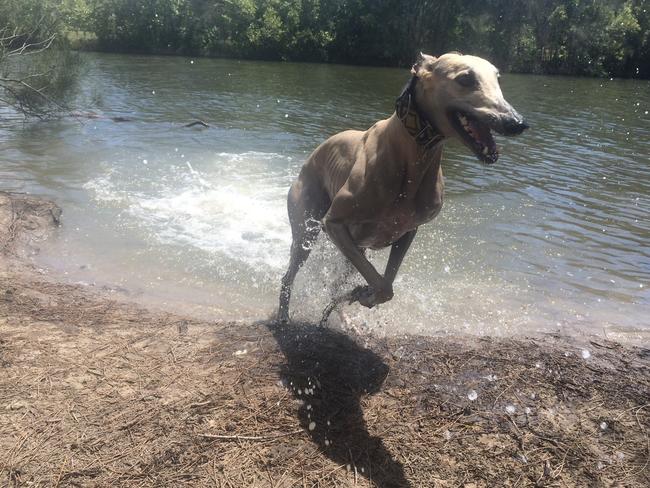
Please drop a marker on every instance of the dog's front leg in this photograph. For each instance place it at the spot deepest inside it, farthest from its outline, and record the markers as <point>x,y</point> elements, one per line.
<point>379,290</point>
<point>397,253</point>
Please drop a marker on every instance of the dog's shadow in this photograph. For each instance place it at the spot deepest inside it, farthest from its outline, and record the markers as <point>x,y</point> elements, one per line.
<point>331,373</point>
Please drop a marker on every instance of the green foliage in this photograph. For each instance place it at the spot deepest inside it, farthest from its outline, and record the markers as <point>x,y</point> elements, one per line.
<point>584,37</point>
<point>137,25</point>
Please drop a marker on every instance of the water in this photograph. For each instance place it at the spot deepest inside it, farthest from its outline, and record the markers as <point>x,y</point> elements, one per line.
<point>552,237</point>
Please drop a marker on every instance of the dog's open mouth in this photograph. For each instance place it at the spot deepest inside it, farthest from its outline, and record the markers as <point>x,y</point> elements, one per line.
<point>476,135</point>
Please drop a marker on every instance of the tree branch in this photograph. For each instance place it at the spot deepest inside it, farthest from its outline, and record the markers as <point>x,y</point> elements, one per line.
<point>27,48</point>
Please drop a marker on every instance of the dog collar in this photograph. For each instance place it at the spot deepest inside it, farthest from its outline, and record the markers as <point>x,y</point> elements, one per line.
<point>415,121</point>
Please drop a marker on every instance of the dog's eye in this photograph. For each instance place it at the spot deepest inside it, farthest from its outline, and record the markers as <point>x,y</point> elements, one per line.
<point>468,80</point>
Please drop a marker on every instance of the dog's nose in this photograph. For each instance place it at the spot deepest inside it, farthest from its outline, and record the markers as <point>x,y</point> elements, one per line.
<point>513,126</point>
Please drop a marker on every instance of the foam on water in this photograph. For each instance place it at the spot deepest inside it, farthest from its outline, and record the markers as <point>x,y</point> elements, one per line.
<point>239,222</point>
<point>233,208</point>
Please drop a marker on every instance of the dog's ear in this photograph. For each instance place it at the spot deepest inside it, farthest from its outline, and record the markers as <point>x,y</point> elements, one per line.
<point>423,60</point>
<point>418,63</point>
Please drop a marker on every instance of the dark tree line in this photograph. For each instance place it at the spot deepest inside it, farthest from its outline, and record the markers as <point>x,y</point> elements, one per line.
<point>583,37</point>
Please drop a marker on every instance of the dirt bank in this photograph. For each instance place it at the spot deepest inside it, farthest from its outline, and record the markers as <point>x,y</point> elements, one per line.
<point>95,392</point>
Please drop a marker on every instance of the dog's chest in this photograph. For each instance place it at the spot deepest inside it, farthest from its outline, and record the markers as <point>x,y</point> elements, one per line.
<point>415,198</point>
<point>389,225</point>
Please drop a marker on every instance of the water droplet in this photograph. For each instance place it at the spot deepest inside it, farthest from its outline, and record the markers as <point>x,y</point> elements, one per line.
<point>312,425</point>
<point>511,409</point>
<point>585,354</point>
<point>472,395</point>
<point>603,426</point>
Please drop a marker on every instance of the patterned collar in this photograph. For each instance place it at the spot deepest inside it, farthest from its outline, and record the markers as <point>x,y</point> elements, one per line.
<point>415,121</point>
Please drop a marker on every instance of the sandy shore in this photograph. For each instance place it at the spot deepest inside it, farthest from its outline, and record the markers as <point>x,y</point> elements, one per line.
<point>95,392</point>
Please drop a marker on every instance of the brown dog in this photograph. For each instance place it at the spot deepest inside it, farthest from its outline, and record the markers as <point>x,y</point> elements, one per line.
<point>373,189</point>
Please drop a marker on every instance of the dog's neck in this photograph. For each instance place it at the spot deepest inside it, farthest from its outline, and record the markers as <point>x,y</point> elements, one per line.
<point>421,128</point>
<point>427,141</point>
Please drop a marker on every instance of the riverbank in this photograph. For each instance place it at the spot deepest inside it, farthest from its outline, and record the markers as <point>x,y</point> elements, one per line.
<point>101,392</point>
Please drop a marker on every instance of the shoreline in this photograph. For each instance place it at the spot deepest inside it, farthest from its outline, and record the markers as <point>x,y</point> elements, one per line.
<point>99,391</point>
<point>162,52</point>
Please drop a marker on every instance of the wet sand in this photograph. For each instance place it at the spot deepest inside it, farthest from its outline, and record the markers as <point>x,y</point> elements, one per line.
<point>100,392</point>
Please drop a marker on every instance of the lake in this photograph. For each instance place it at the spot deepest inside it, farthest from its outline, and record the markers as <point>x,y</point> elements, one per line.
<point>554,237</point>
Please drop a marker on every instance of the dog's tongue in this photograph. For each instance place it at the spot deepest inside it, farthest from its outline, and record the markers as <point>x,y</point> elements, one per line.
<point>482,134</point>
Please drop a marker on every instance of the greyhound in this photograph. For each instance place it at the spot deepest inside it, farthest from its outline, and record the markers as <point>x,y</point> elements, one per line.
<point>374,188</point>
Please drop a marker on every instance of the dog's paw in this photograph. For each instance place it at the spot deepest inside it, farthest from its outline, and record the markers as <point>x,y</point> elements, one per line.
<point>369,297</point>
<point>366,297</point>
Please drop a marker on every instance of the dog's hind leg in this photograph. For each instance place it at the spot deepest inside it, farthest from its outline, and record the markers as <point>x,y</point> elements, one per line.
<point>306,205</point>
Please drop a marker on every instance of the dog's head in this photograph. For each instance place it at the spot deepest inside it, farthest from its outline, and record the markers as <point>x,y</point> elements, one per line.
<point>462,97</point>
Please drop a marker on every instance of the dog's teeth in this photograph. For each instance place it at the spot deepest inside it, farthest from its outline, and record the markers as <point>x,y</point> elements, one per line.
<point>485,151</point>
